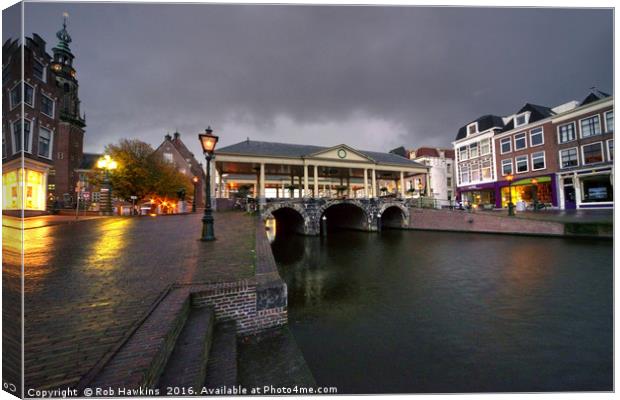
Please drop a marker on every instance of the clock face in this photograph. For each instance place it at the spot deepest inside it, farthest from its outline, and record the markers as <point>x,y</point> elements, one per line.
<point>342,153</point>
<point>56,67</point>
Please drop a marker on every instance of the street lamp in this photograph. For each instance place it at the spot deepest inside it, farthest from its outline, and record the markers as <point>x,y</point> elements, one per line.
<point>208,142</point>
<point>107,164</point>
<point>511,207</point>
<point>195,180</point>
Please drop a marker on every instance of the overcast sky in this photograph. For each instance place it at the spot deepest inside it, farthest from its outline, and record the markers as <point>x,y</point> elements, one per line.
<point>372,77</point>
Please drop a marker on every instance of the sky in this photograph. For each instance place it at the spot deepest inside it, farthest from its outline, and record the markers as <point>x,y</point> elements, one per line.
<point>372,77</point>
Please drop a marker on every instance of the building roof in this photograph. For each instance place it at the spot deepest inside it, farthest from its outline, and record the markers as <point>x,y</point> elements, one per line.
<point>433,152</point>
<point>89,160</point>
<point>485,122</point>
<point>195,167</point>
<point>594,96</point>
<point>537,113</point>
<point>258,148</point>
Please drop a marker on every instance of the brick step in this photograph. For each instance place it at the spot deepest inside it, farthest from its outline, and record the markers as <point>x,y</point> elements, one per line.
<point>222,365</point>
<point>187,364</point>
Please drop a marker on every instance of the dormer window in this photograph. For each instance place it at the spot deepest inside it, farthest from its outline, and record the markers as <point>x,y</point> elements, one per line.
<point>522,119</point>
<point>472,128</point>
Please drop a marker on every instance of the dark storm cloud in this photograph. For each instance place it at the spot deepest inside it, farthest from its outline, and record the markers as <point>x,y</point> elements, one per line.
<point>373,77</point>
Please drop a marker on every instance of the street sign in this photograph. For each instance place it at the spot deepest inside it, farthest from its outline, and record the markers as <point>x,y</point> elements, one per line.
<point>134,197</point>
<point>86,195</point>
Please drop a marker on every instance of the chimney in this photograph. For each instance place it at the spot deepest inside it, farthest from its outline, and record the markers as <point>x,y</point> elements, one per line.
<point>168,137</point>
<point>176,135</point>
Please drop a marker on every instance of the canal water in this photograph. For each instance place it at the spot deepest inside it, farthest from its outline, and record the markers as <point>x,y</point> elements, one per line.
<point>419,312</point>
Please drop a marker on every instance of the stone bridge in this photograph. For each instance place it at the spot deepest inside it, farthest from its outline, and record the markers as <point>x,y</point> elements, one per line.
<point>310,216</point>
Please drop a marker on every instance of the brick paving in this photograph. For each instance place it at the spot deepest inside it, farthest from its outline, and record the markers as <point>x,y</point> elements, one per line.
<point>87,283</point>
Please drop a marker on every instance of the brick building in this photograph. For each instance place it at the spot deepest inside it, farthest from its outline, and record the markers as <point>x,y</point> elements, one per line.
<point>173,150</point>
<point>41,124</point>
<point>561,156</point>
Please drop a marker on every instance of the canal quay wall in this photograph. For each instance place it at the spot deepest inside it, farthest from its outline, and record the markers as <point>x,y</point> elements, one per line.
<point>461,221</point>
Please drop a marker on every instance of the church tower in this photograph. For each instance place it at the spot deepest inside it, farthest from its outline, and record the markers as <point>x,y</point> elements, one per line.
<point>69,140</point>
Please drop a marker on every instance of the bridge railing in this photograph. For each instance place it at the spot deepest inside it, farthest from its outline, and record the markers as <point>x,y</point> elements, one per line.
<point>431,202</point>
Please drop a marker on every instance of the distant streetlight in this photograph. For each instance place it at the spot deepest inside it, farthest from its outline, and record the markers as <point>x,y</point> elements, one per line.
<point>511,207</point>
<point>208,142</point>
<point>106,163</point>
<point>195,180</point>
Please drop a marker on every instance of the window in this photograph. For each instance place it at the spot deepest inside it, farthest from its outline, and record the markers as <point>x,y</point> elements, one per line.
<point>45,142</point>
<point>568,158</point>
<point>590,126</point>
<point>463,153</point>
<point>538,161</point>
<point>486,170</point>
<point>521,164</point>
<point>597,188</point>
<point>17,136</point>
<point>449,181</point>
<point>51,187</point>
<point>3,144</point>
<point>485,147</point>
<point>520,141</point>
<point>592,153</point>
<point>29,94</point>
<point>38,70</point>
<point>6,74</point>
<point>505,145</point>
<point>507,166</point>
<point>473,150</point>
<point>610,150</point>
<point>168,157</point>
<point>474,172</point>
<point>472,128</point>
<point>566,133</point>
<point>47,106</point>
<point>521,119</point>
<point>536,137</point>
<point>465,174</point>
<point>16,95</point>
<point>609,121</point>
<point>61,155</point>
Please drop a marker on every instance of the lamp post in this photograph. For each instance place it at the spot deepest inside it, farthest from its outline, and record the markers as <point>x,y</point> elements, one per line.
<point>535,193</point>
<point>195,180</point>
<point>208,142</point>
<point>511,207</point>
<point>107,164</point>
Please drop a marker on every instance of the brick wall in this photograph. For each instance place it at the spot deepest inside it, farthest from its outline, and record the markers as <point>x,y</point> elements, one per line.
<point>446,220</point>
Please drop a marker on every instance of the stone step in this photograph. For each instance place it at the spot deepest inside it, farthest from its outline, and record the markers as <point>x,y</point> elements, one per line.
<point>187,364</point>
<point>222,365</point>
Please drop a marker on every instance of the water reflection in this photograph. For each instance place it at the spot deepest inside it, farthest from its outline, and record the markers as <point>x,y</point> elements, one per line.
<point>111,242</point>
<point>408,311</point>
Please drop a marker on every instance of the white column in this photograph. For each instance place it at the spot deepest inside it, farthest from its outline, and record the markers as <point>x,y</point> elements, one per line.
<point>316,181</point>
<point>261,198</point>
<point>365,183</point>
<point>374,183</point>
<point>305,181</point>
<point>428,183</point>
<point>402,185</point>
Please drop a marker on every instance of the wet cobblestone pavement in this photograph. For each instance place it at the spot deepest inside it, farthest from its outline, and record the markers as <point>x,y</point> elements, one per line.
<point>86,283</point>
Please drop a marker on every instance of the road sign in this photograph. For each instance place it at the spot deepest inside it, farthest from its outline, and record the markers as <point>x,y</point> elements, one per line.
<point>86,195</point>
<point>134,197</point>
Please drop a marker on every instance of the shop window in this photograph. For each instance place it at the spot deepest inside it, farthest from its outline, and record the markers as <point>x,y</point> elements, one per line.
<point>568,158</point>
<point>507,166</point>
<point>525,193</point>
<point>566,133</point>
<point>505,145</point>
<point>520,141</point>
<point>485,147</point>
<point>521,164</point>
<point>473,150</point>
<point>538,161</point>
<point>17,136</point>
<point>609,121</point>
<point>597,189</point>
<point>536,137</point>
<point>45,143</point>
<point>592,153</point>
<point>34,190</point>
<point>590,126</point>
<point>610,150</point>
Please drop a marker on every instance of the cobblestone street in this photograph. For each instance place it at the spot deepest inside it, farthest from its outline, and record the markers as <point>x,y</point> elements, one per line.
<point>86,283</point>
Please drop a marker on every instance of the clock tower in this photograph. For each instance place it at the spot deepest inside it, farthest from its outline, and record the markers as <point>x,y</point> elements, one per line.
<point>69,140</point>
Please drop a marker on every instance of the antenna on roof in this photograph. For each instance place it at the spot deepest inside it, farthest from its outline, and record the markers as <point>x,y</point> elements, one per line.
<point>248,139</point>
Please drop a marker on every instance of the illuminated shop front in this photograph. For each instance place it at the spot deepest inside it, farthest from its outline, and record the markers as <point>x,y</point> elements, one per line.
<point>525,190</point>
<point>33,195</point>
<point>478,197</point>
<point>587,188</point>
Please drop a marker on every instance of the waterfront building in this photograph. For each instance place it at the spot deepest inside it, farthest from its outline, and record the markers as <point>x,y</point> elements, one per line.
<point>560,156</point>
<point>441,174</point>
<point>174,151</point>
<point>41,124</point>
<point>279,170</point>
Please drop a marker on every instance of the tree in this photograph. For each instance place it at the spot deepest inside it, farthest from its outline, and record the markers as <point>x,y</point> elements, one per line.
<point>143,173</point>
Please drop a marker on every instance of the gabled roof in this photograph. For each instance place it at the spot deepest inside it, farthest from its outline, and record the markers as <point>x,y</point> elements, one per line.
<point>180,147</point>
<point>594,96</point>
<point>536,114</point>
<point>433,152</point>
<point>484,123</point>
<point>258,148</point>
<point>401,151</point>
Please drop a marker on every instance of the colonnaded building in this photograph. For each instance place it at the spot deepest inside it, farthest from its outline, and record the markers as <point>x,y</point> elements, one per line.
<point>285,171</point>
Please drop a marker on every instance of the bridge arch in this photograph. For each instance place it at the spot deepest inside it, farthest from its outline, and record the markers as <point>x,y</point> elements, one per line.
<point>393,215</point>
<point>289,217</point>
<point>344,214</point>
